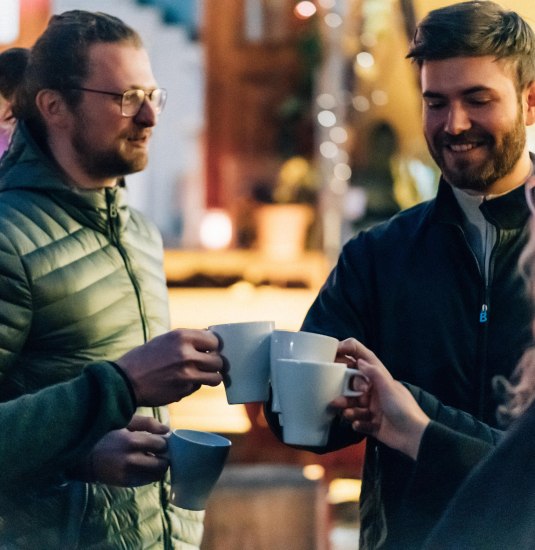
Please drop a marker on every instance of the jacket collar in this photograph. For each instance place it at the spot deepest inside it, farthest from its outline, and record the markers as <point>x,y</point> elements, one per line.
<point>25,166</point>
<point>508,211</point>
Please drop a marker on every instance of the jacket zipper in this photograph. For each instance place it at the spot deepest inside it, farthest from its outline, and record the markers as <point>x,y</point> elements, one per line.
<point>483,318</point>
<point>113,216</point>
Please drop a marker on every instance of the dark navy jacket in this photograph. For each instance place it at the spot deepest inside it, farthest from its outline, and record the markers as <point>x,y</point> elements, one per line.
<point>412,291</point>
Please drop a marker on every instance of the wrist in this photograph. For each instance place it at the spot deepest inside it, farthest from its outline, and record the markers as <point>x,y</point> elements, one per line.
<point>129,382</point>
<point>413,438</point>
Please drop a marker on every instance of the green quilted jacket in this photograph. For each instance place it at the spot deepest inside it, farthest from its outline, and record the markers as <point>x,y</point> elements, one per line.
<point>82,281</point>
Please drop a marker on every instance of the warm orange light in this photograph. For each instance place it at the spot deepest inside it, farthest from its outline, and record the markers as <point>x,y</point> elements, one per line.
<point>304,10</point>
<point>216,230</point>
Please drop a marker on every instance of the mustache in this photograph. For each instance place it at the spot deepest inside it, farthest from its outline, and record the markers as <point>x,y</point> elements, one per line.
<point>142,134</point>
<point>465,138</point>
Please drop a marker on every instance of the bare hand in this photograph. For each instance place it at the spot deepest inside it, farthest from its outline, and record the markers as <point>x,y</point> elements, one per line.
<point>132,456</point>
<point>173,365</point>
<point>388,411</point>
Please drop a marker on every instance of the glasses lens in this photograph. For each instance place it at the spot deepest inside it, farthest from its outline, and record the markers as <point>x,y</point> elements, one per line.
<point>157,99</point>
<point>132,101</point>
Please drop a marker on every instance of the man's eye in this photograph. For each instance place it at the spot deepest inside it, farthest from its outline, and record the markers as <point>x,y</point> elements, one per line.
<point>478,101</point>
<point>433,105</point>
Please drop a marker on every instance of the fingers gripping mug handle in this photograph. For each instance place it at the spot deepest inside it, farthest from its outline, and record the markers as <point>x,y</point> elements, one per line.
<point>349,375</point>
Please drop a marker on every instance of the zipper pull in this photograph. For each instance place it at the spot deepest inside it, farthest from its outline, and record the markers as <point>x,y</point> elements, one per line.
<point>483,316</point>
<point>111,204</point>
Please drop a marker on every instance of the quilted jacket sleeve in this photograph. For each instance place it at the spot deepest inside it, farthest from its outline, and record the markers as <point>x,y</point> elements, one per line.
<point>15,305</point>
<point>79,413</point>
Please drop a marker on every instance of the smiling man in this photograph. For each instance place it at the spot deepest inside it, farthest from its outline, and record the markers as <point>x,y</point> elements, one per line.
<point>82,281</point>
<point>435,291</point>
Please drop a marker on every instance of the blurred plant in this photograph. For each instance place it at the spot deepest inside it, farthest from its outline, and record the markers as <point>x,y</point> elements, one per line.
<point>297,182</point>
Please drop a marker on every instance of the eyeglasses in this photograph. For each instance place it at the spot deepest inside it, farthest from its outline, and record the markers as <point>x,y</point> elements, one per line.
<point>530,193</point>
<point>132,100</point>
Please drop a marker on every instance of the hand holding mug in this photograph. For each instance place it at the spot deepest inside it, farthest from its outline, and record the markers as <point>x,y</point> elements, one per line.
<point>197,460</point>
<point>306,390</point>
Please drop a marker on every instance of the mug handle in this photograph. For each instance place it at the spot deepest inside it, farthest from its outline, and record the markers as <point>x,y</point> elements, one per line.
<point>348,377</point>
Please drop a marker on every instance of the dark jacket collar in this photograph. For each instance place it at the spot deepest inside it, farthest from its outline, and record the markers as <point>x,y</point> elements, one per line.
<point>508,211</point>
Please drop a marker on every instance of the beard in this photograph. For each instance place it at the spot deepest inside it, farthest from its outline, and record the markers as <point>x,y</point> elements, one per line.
<point>501,157</point>
<point>111,162</point>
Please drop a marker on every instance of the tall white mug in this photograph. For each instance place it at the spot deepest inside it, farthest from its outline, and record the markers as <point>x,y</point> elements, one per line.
<point>245,349</point>
<point>197,460</point>
<point>298,345</point>
<point>305,390</point>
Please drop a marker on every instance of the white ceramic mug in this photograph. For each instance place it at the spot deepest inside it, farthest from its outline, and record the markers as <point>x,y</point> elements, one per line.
<point>197,460</point>
<point>305,390</point>
<point>298,345</point>
<point>245,349</point>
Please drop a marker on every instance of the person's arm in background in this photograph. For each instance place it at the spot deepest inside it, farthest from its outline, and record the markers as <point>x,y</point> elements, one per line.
<point>445,443</point>
<point>493,507</point>
<point>45,433</point>
<point>403,416</point>
<point>48,430</point>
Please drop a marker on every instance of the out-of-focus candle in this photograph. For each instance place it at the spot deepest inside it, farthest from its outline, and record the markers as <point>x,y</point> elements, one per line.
<point>216,230</point>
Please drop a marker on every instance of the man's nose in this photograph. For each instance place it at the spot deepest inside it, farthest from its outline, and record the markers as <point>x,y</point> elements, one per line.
<point>147,115</point>
<point>457,120</point>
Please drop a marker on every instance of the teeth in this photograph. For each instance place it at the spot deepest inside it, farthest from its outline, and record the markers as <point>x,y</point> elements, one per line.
<point>462,148</point>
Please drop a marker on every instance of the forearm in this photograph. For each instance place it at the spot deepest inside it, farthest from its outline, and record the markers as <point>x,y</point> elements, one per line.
<point>453,418</point>
<point>452,445</point>
<point>445,459</point>
<point>48,431</point>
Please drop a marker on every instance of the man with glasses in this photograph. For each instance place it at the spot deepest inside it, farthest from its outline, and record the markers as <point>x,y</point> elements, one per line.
<point>435,292</point>
<point>82,281</point>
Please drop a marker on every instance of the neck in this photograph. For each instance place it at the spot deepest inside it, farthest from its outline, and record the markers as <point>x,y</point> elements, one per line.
<point>515,178</point>
<point>66,159</point>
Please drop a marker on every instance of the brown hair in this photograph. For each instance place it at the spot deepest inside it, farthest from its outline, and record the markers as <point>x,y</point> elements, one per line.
<point>12,67</point>
<point>59,59</point>
<point>477,28</point>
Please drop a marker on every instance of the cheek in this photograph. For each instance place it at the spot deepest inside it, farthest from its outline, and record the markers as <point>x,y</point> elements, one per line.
<point>432,122</point>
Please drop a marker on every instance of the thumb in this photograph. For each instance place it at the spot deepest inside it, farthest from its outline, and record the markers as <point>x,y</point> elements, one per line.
<point>377,374</point>
<point>147,424</point>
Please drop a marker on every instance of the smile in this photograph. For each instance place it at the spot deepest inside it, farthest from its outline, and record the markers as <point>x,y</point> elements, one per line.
<point>462,148</point>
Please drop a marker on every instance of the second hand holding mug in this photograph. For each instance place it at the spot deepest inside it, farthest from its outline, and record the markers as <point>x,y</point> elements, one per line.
<point>298,345</point>
<point>197,460</point>
<point>305,390</point>
<point>245,347</point>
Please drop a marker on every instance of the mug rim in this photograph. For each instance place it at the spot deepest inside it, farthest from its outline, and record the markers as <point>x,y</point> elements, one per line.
<point>213,439</point>
<point>315,334</point>
<point>241,323</point>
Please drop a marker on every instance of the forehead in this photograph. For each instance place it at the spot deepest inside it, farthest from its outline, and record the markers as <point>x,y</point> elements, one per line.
<point>459,74</point>
<point>121,65</point>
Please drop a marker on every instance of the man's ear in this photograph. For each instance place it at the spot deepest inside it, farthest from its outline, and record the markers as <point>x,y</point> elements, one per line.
<point>529,95</point>
<point>52,107</point>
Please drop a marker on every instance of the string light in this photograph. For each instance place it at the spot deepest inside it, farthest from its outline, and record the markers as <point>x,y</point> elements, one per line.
<point>327,119</point>
<point>304,10</point>
<point>333,20</point>
<point>326,101</point>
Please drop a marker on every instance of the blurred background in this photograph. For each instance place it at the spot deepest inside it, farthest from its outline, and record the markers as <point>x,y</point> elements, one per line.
<point>290,126</point>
